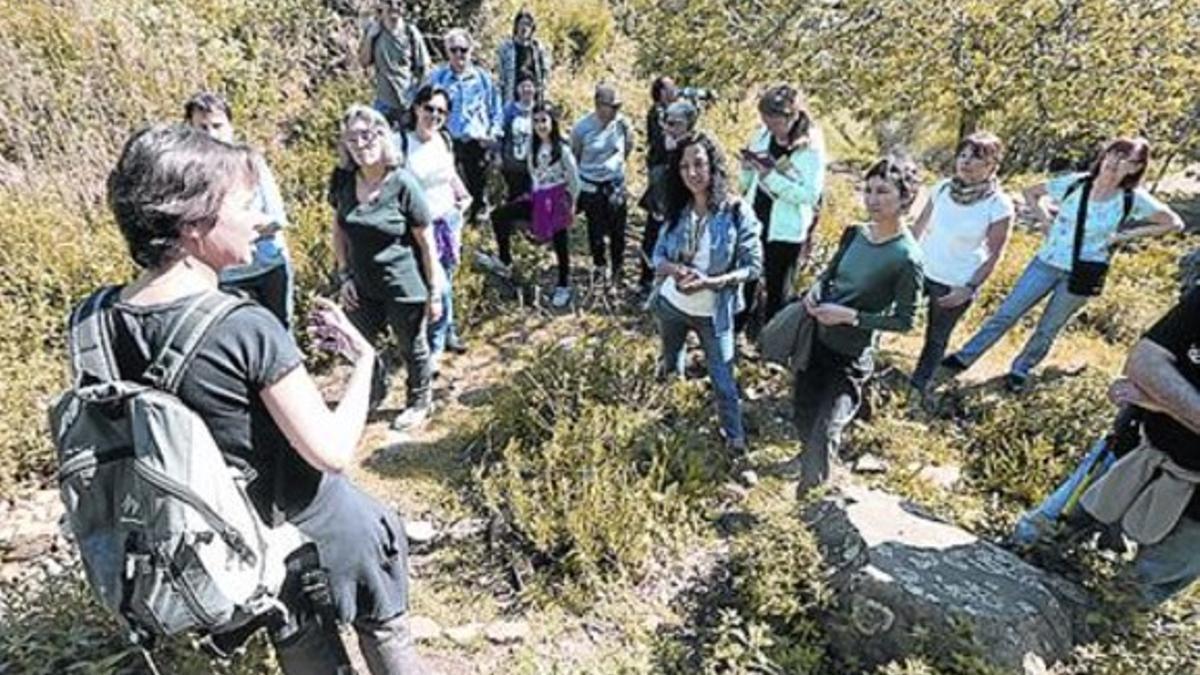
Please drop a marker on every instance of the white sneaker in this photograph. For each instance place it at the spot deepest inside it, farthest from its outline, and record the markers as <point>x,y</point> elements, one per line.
<point>562,296</point>
<point>413,417</point>
<point>493,264</point>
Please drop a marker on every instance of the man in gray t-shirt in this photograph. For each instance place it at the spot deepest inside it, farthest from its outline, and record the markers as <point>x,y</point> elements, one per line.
<point>397,50</point>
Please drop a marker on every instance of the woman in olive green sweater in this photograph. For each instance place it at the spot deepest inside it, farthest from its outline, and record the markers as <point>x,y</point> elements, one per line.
<point>873,286</point>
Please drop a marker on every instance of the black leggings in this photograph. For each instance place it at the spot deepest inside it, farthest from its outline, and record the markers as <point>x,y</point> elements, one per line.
<point>606,215</point>
<point>504,223</point>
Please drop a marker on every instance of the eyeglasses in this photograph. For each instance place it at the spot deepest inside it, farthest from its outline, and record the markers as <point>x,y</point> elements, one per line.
<point>434,110</point>
<point>675,123</point>
<point>459,50</point>
<point>362,137</point>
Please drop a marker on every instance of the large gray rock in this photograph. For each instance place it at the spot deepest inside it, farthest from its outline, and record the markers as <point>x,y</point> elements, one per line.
<point>905,582</point>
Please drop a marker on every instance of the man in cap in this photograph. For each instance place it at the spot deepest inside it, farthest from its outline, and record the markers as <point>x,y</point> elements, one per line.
<point>601,142</point>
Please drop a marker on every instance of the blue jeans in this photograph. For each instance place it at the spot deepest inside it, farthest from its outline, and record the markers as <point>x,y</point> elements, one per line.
<point>673,327</point>
<point>443,328</point>
<point>1037,281</point>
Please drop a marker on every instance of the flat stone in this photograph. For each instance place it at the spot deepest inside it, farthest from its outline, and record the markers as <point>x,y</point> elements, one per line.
<point>423,628</point>
<point>898,575</point>
<point>420,531</point>
<point>944,477</point>
<point>464,635</point>
<point>870,464</point>
<point>748,477</point>
<point>506,632</point>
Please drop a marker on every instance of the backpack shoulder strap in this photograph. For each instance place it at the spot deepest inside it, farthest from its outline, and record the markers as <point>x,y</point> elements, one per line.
<point>1073,187</point>
<point>185,336</point>
<point>1126,207</point>
<point>88,340</point>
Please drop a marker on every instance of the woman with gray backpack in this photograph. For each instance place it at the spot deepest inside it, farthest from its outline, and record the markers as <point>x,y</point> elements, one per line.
<point>1073,261</point>
<point>193,438</point>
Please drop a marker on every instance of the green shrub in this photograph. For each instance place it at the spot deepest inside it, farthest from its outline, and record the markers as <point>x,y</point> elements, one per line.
<point>1020,448</point>
<point>593,465</point>
<point>759,613</point>
<point>59,628</point>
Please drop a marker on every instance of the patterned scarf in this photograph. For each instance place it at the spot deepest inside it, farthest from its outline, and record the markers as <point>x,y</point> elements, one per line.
<point>965,194</point>
<point>696,224</point>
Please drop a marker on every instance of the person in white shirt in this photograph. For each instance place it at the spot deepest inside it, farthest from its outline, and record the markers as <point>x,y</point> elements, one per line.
<point>429,155</point>
<point>963,230</point>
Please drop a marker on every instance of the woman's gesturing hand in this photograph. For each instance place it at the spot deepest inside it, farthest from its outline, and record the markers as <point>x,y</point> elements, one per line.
<point>332,331</point>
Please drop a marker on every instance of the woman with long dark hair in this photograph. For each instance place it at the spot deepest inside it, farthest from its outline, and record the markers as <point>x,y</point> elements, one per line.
<point>709,248</point>
<point>549,208</point>
<point>429,155</point>
<point>1093,208</point>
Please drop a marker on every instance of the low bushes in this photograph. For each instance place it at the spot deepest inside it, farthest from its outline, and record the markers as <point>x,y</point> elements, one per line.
<point>759,613</point>
<point>591,464</point>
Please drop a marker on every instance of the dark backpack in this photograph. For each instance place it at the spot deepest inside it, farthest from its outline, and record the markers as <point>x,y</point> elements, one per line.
<point>169,538</point>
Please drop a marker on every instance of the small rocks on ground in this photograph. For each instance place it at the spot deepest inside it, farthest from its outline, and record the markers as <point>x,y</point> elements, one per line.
<point>870,464</point>
<point>420,531</point>
<point>506,632</point>
<point>424,629</point>
<point>465,635</point>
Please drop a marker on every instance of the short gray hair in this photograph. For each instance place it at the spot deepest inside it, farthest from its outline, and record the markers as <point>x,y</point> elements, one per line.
<point>356,112</point>
<point>459,33</point>
<point>171,176</point>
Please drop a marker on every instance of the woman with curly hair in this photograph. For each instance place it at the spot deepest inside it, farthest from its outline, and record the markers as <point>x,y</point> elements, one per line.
<point>709,248</point>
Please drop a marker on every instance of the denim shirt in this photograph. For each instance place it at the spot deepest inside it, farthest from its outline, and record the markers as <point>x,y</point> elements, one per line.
<point>476,111</point>
<point>271,250</point>
<point>735,246</point>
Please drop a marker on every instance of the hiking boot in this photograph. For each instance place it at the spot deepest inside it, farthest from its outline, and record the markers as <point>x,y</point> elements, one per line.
<point>413,417</point>
<point>1016,383</point>
<point>455,344</point>
<point>562,296</point>
<point>493,264</point>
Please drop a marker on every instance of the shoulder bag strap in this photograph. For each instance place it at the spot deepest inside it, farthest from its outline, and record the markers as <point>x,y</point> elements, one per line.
<point>1080,218</point>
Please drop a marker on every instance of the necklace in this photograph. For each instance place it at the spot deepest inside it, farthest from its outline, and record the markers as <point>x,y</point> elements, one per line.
<point>695,233</point>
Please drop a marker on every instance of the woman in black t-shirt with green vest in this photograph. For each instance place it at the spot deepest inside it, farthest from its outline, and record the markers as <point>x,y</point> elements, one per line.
<point>872,287</point>
<point>385,253</point>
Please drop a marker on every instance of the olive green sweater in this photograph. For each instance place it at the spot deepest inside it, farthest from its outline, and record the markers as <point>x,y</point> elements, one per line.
<point>882,281</point>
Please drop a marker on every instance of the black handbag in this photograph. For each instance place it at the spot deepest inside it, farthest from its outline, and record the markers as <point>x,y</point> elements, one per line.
<point>1087,277</point>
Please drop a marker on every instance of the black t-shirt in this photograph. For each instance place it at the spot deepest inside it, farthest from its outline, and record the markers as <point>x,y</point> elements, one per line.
<point>763,201</point>
<point>524,60</point>
<point>1179,333</point>
<point>383,256</point>
<point>247,352</point>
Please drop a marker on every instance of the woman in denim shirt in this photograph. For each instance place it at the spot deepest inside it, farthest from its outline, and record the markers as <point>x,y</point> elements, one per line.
<point>710,248</point>
<point>1116,172</point>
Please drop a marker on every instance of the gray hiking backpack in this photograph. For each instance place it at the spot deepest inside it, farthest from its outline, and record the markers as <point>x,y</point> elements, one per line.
<point>169,539</point>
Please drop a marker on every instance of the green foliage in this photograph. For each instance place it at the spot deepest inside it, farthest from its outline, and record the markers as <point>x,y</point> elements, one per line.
<point>1021,451</point>
<point>1026,70</point>
<point>59,629</point>
<point>761,615</point>
<point>593,465</point>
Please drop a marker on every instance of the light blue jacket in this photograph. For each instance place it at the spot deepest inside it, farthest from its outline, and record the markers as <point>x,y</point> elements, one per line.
<point>795,184</point>
<point>735,247</point>
<point>476,111</point>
